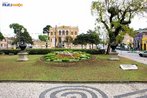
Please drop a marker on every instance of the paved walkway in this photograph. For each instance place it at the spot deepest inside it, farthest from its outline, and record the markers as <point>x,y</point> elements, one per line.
<point>133,56</point>
<point>51,90</point>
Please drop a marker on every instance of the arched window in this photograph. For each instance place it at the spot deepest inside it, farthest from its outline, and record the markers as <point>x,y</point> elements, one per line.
<point>66,32</point>
<point>59,32</point>
<point>63,32</point>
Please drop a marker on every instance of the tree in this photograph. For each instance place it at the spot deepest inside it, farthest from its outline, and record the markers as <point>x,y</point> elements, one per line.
<point>46,30</point>
<point>25,35</point>
<point>68,40</point>
<point>116,15</point>
<point>1,36</point>
<point>93,37</point>
<point>43,37</point>
<point>81,39</point>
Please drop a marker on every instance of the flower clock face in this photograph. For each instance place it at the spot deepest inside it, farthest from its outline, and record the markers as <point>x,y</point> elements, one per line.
<point>66,56</point>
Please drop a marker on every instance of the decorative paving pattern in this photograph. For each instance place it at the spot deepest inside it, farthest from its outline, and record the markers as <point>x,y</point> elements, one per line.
<point>73,92</point>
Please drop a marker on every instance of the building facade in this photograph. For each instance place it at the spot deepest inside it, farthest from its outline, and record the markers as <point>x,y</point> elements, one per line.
<point>39,44</point>
<point>127,39</point>
<point>58,35</point>
<point>144,41</point>
<point>140,40</point>
<point>3,44</point>
<point>6,43</point>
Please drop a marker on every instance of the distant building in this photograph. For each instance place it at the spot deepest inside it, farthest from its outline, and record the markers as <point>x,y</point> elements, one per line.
<point>58,35</point>
<point>3,44</point>
<point>127,39</point>
<point>6,43</point>
<point>39,44</point>
<point>140,40</point>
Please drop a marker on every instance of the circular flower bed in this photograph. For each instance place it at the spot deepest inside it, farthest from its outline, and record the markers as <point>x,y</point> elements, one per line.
<point>66,56</point>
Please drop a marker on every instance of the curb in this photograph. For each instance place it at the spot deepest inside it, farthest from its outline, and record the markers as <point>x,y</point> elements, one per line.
<point>72,82</point>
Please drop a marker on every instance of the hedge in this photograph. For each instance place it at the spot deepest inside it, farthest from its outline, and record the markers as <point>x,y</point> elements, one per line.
<point>45,51</point>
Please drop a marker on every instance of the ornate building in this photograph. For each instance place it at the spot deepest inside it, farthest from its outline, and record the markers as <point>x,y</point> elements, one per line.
<point>58,35</point>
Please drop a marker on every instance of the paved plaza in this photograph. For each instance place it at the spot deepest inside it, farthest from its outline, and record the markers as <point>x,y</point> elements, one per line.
<point>74,90</point>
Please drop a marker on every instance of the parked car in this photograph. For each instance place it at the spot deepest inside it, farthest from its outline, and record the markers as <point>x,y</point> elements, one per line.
<point>143,54</point>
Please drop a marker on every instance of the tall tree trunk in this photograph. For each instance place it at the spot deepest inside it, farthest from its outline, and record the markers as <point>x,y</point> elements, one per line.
<point>108,49</point>
<point>92,46</point>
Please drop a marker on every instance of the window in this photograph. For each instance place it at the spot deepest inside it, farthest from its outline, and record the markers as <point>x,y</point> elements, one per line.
<point>59,32</point>
<point>63,32</point>
<point>75,33</point>
<point>71,33</point>
<point>66,32</point>
<point>51,33</point>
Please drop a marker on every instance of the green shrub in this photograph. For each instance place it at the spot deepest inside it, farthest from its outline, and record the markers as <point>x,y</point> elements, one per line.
<point>46,51</point>
<point>10,51</point>
<point>65,60</point>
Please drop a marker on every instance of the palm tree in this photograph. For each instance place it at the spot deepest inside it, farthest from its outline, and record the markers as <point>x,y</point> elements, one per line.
<point>46,30</point>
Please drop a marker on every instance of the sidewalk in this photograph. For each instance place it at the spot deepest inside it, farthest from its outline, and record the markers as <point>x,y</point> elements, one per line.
<point>52,90</point>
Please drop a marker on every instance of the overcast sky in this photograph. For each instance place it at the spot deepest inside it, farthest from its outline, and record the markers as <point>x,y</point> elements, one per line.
<point>36,14</point>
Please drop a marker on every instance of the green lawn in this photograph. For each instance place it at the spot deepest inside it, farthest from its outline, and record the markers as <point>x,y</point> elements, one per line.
<point>99,69</point>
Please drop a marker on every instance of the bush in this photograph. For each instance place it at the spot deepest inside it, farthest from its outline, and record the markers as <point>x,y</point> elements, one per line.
<point>46,51</point>
<point>10,51</point>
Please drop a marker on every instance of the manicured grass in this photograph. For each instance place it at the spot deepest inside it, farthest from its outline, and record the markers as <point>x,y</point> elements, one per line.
<point>99,69</point>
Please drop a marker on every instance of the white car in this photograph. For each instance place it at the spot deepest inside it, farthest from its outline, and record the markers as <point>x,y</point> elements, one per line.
<point>143,54</point>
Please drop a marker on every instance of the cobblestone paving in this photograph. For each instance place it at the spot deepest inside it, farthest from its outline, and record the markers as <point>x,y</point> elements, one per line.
<point>55,90</point>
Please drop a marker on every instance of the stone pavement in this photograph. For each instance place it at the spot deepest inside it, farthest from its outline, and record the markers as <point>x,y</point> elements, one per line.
<point>73,90</point>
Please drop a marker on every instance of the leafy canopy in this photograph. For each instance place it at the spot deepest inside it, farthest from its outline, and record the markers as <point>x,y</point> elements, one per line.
<point>43,37</point>
<point>19,34</point>
<point>116,15</point>
<point>1,36</point>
